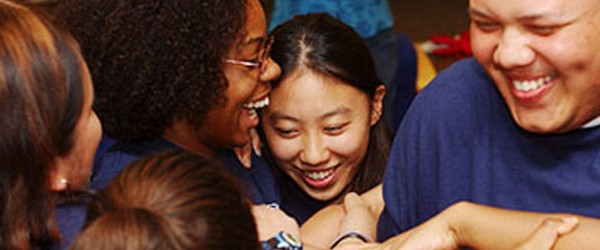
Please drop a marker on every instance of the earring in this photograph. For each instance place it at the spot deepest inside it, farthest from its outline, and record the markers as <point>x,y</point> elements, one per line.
<point>64,184</point>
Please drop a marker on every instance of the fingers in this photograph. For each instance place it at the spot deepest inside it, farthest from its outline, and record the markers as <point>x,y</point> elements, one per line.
<point>244,155</point>
<point>255,141</point>
<point>568,225</point>
<point>548,233</point>
<point>352,200</point>
<point>358,217</point>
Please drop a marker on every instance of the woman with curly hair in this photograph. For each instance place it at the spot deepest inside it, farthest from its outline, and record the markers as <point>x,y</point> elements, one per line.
<point>176,74</point>
<point>48,130</point>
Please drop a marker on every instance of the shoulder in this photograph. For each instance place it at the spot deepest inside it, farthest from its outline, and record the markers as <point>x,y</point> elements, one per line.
<point>460,79</point>
<point>120,154</point>
<point>70,220</point>
<point>458,91</point>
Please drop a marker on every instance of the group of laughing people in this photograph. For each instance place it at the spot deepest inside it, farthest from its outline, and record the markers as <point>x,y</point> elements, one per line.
<point>187,124</point>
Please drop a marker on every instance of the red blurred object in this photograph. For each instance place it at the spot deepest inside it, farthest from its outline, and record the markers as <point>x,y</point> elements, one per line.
<point>458,46</point>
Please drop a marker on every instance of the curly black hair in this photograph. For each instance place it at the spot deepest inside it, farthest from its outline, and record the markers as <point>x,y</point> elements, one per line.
<point>152,61</point>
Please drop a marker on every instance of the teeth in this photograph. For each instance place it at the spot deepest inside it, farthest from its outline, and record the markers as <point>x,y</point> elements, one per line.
<point>532,84</point>
<point>257,104</point>
<point>319,175</point>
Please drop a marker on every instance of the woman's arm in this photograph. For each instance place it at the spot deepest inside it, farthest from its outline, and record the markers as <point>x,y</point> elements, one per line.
<point>325,226</point>
<point>485,227</point>
<point>482,226</point>
<point>462,224</point>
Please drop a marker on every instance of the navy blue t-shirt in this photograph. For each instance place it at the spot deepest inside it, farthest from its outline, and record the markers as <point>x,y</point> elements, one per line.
<point>113,156</point>
<point>258,180</point>
<point>458,141</point>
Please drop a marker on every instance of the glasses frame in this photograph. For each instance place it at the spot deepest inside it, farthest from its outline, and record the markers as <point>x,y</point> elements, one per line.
<point>262,58</point>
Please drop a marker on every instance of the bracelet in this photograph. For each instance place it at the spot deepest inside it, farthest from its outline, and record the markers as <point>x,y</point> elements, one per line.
<point>358,235</point>
<point>282,241</point>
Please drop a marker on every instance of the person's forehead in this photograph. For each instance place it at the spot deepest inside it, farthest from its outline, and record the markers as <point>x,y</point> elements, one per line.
<point>531,9</point>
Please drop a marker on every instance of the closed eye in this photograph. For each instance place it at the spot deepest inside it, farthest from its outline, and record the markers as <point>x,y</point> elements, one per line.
<point>335,130</point>
<point>286,133</point>
<point>486,26</point>
<point>543,30</point>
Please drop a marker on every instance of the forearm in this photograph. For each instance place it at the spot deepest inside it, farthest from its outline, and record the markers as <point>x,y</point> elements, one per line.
<point>485,227</point>
<point>322,228</point>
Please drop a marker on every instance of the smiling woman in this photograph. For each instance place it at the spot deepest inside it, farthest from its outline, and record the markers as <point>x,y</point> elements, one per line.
<point>173,75</point>
<point>323,127</point>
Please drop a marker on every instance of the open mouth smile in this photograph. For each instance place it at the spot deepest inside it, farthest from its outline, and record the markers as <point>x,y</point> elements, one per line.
<point>531,85</point>
<point>253,106</point>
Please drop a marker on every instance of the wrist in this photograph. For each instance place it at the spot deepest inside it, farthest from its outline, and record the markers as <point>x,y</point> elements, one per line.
<point>354,236</point>
<point>282,241</point>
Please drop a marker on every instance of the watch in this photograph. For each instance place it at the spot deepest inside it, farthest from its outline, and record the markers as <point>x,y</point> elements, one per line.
<point>282,241</point>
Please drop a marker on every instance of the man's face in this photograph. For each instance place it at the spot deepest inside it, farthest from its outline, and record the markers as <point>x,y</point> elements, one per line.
<point>544,57</point>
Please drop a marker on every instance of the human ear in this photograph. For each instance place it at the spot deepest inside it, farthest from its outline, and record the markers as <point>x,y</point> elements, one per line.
<point>377,104</point>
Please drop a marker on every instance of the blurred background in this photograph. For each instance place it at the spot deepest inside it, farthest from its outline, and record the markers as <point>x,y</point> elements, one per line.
<point>420,19</point>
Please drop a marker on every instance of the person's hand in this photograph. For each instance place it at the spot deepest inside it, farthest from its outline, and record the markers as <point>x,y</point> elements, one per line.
<point>358,220</point>
<point>436,233</point>
<point>548,233</point>
<point>433,234</point>
<point>270,220</point>
<point>244,153</point>
<point>359,217</point>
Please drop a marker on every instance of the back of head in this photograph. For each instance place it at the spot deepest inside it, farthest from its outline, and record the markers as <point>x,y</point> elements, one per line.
<point>154,61</point>
<point>41,98</point>
<point>196,203</point>
<point>127,229</point>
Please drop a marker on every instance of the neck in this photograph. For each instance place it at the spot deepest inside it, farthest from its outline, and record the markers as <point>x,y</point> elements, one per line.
<point>182,134</point>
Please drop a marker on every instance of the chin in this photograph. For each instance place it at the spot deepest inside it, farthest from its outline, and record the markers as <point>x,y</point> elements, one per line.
<point>323,196</point>
<point>539,126</point>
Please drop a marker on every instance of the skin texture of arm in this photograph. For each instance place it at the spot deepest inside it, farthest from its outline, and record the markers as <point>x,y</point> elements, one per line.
<point>463,224</point>
<point>484,227</point>
<point>326,225</point>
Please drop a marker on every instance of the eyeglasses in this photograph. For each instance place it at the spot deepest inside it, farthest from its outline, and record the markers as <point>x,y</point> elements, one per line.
<point>260,62</point>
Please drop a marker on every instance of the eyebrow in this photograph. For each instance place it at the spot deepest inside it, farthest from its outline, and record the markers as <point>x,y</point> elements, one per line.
<point>254,40</point>
<point>257,41</point>
<point>475,12</point>
<point>280,116</point>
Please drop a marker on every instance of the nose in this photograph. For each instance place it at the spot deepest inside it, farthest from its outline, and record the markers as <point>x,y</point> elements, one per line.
<point>314,152</point>
<point>271,71</point>
<point>513,50</point>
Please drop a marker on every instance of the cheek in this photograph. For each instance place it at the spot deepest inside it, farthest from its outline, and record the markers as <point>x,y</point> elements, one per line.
<point>96,132</point>
<point>352,144</point>
<point>90,144</point>
<point>483,46</point>
<point>283,149</point>
<point>568,53</point>
<point>240,86</point>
